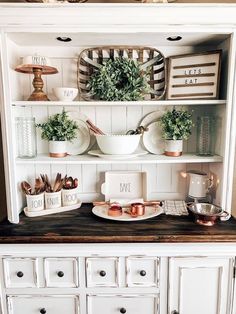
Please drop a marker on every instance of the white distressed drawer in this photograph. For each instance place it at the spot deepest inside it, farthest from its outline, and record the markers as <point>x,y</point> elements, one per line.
<point>61,272</point>
<point>102,271</point>
<point>43,305</point>
<point>142,271</point>
<point>20,272</point>
<point>107,304</point>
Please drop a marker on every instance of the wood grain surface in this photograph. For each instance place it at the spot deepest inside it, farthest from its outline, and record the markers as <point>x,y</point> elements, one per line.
<point>81,226</point>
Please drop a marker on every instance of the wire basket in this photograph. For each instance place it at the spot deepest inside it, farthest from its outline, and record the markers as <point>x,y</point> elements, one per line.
<point>150,58</point>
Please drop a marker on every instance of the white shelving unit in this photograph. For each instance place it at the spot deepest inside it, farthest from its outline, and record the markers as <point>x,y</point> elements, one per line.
<point>143,25</point>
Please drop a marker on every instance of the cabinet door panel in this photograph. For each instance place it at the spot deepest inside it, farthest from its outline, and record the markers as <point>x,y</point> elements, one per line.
<point>200,285</point>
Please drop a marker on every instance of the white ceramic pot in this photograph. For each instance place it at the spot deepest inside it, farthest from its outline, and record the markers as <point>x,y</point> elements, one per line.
<point>118,144</point>
<point>65,93</point>
<point>52,200</point>
<point>70,197</point>
<point>57,149</point>
<point>173,148</point>
<point>35,202</point>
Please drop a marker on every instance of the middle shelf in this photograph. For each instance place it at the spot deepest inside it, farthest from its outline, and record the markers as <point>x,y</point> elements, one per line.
<point>146,159</point>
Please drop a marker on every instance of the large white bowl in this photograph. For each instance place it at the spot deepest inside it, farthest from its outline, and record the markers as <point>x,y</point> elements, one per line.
<point>65,93</point>
<point>118,144</point>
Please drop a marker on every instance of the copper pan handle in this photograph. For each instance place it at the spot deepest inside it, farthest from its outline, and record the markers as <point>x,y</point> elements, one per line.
<point>225,216</point>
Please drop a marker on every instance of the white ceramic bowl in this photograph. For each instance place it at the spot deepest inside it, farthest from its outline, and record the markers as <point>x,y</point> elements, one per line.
<point>118,144</point>
<point>65,93</point>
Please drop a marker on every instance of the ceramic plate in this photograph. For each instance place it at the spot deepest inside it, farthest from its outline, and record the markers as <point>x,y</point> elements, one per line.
<point>81,116</point>
<point>82,141</point>
<point>152,139</point>
<point>151,117</point>
<point>150,212</point>
<point>98,153</point>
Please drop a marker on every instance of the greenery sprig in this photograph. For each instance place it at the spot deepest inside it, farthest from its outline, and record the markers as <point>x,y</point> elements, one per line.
<point>119,79</point>
<point>58,128</point>
<point>176,124</point>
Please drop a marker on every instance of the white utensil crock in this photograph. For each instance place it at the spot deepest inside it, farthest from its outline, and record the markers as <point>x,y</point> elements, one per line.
<point>35,202</point>
<point>70,197</point>
<point>52,200</point>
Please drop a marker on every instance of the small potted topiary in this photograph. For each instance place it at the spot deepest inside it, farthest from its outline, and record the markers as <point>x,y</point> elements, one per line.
<point>176,126</point>
<point>57,131</point>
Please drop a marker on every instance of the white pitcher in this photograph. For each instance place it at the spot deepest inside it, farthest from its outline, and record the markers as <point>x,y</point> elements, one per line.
<point>199,184</point>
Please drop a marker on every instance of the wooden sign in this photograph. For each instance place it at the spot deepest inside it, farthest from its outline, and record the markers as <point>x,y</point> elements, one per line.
<point>124,185</point>
<point>194,76</point>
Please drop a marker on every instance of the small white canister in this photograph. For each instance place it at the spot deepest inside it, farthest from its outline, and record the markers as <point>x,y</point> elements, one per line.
<point>35,202</point>
<point>70,197</point>
<point>53,200</point>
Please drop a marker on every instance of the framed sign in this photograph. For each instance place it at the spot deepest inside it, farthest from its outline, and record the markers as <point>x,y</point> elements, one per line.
<point>194,76</point>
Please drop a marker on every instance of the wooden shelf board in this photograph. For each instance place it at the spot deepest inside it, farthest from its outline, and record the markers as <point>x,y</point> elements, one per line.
<point>147,159</point>
<point>193,102</point>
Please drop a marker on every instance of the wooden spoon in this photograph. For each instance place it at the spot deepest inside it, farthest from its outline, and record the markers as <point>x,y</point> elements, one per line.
<point>26,188</point>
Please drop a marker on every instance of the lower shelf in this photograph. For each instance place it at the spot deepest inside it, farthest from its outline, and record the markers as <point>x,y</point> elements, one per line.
<point>146,159</point>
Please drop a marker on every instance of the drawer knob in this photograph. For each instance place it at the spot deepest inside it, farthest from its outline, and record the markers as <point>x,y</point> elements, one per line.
<point>60,274</point>
<point>43,311</point>
<point>175,312</point>
<point>20,274</point>
<point>143,273</point>
<point>122,310</point>
<point>102,273</point>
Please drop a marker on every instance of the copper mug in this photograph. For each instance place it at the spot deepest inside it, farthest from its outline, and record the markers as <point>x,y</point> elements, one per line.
<point>137,209</point>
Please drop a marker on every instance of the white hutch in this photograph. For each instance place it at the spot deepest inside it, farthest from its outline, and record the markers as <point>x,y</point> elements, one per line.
<point>180,278</point>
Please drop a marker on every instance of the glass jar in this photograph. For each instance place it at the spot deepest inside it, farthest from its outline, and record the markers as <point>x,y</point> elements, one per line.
<point>205,135</point>
<point>26,137</point>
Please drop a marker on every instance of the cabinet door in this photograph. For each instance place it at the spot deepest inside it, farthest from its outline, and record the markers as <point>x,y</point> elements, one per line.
<point>200,285</point>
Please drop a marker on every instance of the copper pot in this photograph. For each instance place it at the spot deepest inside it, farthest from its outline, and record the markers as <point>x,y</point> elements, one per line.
<point>207,214</point>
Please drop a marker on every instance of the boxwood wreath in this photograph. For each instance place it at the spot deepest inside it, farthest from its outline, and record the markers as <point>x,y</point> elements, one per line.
<point>119,79</point>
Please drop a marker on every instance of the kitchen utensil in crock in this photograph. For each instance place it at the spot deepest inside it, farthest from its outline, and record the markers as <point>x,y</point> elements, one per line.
<point>207,214</point>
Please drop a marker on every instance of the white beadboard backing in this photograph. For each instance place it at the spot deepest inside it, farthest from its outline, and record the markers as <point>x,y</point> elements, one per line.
<point>166,181</point>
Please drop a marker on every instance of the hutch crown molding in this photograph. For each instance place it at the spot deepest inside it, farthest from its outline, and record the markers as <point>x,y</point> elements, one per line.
<point>106,278</point>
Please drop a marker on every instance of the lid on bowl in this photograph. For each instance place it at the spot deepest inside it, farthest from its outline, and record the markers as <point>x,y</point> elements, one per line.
<point>125,186</point>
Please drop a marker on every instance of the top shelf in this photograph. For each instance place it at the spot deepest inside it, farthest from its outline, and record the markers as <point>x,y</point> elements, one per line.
<point>122,103</point>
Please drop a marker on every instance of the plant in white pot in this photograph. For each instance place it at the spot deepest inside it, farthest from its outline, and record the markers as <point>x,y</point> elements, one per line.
<point>176,126</point>
<point>57,131</point>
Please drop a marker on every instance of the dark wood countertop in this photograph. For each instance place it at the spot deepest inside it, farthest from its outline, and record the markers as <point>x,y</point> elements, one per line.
<point>81,226</point>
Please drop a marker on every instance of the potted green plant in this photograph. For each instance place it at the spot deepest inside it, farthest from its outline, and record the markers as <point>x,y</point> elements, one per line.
<point>57,131</point>
<point>176,126</point>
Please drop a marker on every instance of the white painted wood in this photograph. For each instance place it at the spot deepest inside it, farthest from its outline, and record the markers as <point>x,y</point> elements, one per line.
<point>29,269</point>
<point>107,304</point>
<point>102,272</point>
<point>52,304</point>
<point>69,267</point>
<point>145,159</point>
<point>142,271</point>
<point>200,285</point>
<point>200,102</point>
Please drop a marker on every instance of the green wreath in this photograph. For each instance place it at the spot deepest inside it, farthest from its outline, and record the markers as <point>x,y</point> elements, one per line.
<point>119,79</point>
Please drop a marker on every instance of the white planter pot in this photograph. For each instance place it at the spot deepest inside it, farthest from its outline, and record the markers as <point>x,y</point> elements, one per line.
<point>53,200</point>
<point>70,197</point>
<point>173,148</point>
<point>57,149</point>
<point>35,202</point>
